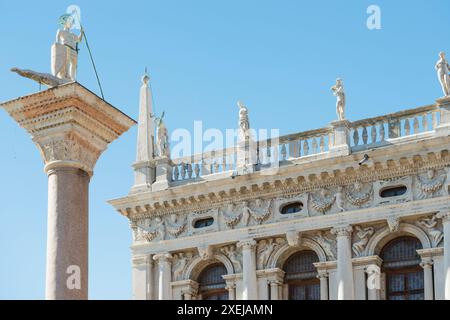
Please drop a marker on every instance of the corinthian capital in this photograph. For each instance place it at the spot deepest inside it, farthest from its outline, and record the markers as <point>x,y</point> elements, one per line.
<point>247,244</point>
<point>163,257</point>
<point>343,231</point>
<point>445,216</point>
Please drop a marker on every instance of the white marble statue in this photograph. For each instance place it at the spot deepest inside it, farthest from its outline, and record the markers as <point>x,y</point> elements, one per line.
<point>338,91</point>
<point>65,50</point>
<point>443,69</point>
<point>162,137</point>
<point>244,123</point>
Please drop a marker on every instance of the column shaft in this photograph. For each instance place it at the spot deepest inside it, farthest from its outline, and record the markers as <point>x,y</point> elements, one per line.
<point>67,234</point>
<point>427,265</point>
<point>323,287</point>
<point>250,291</point>
<point>344,263</point>
<point>164,275</point>
<point>446,224</point>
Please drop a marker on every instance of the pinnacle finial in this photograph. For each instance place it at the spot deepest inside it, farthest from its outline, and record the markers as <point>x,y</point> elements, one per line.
<point>145,77</point>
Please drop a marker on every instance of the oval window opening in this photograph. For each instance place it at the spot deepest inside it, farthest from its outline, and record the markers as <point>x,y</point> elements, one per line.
<point>203,223</point>
<point>393,191</point>
<point>292,208</point>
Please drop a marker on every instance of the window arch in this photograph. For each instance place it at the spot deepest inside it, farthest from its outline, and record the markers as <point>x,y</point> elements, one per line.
<point>401,265</point>
<point>301,276</point>
<point>211,284</point>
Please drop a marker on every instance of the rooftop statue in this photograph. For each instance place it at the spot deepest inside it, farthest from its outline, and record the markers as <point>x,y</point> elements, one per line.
<point>443,68</point>
<point>162,137</point>
<point>64,57</point>
<point>338,91</point>
<point>244,124</point>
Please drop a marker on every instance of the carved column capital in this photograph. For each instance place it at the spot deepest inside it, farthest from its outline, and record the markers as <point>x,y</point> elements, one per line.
<point>163,257</point>
<point>445,216</point>
<point>247,244</point>
<point>426,262</point>
<point>343,231</point>
<point>322,273</point>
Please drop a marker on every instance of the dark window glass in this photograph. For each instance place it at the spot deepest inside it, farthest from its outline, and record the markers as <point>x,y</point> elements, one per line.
<point>292,208</point>
<point>393,191</point>
<point>401,263</point>
<point>202,223</point>
<point>301,276</point>
<point>211,283</point>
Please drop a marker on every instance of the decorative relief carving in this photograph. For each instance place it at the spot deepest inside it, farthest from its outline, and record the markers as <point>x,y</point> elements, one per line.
<point>430,225</point>
<point>363,235</point>
<point>174,227</point>
<point>233,215</point>
<point>234,255</point>
<point>293,238</point>
<point>393,223</point>
<point>265,249</point>
<point>205,252</point>
<point>327,243</point>
<point>358,193</point>
<point>322,200</point>
<point>430,183</point>
<point>69,149</point>
<point>260,211</point>
<point>180,262</point>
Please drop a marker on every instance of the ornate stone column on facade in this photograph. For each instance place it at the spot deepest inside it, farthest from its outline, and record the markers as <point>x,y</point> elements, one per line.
<point>250,285</point>
<point>445,216</point>
<point>427,265</point>
<point>71,127</point>
<point>323,277</point>
<point>344,262</point>
<point>230,280</point>
<point>164,261</point>
<point>142,275</point>
<point>341,139</point>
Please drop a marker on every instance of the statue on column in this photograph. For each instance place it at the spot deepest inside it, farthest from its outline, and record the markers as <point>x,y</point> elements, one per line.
<point>162,137</point>
<point>65,50</point>
<point>64,57</point>
<point>443,69</point>
<point>338,91</point>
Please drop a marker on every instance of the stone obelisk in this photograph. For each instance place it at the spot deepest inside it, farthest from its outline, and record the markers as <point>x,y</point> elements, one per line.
<point>71,127</point>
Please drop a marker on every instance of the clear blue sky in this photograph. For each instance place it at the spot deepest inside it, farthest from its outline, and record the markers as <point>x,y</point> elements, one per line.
<point>279,57</point>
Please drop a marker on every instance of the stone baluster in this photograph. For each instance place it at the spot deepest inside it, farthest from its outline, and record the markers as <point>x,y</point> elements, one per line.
<point>355,136</point>
<point>416,125</point>
<point>425,122</point>
<point>382,132</point>
<point>373,134</point>
<point>305,148</point>
<point>407,127</point>
<point>322,144</point>
<point>365,136</point>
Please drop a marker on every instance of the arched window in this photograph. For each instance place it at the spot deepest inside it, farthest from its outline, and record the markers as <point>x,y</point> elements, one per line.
<point>401,265</point>
<point>211,283</point>
<point>301,276</point>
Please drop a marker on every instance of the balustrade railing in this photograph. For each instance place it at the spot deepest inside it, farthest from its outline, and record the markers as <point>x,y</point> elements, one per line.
<point>366,133</point>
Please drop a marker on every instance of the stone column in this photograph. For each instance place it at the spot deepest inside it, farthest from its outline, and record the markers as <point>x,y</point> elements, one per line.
<point>323,277</point>
<point>341,138</point>
<point>71,127</point>
<point>164,261</point>
<point>250,290</point>
<point>275,289</point>
<point>427,265</point>
<point>445,216</point>
<point>344,262</point>
<point>141,274</point>
<point>231,288</point>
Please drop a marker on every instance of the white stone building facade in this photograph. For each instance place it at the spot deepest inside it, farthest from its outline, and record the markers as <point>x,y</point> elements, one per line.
<point>317,226</point>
